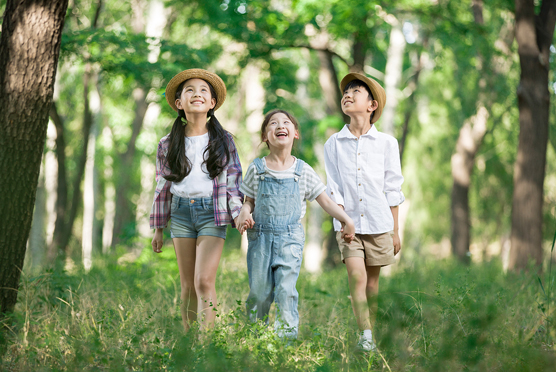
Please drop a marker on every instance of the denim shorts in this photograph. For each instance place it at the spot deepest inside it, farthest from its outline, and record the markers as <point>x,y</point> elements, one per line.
<point>194,217</point>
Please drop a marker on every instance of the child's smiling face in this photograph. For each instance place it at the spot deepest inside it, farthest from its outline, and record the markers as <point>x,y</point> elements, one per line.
<point>356,101</point>
<point>195,97</point>
<point>280,131</point>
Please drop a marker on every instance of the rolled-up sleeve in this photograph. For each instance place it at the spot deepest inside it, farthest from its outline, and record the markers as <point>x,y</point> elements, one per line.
<point>393,178</point>
<point>160,211</point>
<point>334,187</point>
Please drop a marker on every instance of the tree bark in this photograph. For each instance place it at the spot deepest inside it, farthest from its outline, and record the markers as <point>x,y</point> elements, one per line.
<point>28,61</point>
<point>534,35</point>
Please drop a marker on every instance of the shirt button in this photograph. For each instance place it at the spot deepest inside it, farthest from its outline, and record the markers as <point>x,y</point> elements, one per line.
<point>359,184</point>
<point>358,168</point>
<point>361,215</point>
<point>358,153</point>
<point>331,193</point>
<point>360,199</point>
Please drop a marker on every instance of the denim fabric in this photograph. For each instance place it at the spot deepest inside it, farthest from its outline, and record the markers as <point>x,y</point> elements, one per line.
<point>276,250</point>
<point>194,217</point>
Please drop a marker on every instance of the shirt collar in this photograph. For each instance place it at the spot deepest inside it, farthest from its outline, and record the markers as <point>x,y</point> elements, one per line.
<point>345,133</point>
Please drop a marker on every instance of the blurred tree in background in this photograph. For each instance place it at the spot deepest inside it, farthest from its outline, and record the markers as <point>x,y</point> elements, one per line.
<point>450,69</point>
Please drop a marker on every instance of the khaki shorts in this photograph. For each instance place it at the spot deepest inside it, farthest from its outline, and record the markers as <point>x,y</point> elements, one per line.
<point>375,249</point>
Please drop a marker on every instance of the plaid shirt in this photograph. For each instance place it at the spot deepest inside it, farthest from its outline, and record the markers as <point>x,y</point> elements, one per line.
<point>226,195</point>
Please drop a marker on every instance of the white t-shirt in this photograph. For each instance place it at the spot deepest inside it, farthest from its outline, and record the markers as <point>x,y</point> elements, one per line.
<point>310,185</point>
<point>197,184</point>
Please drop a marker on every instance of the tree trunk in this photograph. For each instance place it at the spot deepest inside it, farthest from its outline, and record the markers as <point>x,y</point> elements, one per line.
<point>90,182</point>
<point>62,185</point>
<point>393,77</point>
<point>28,61</point>
<point>534,35</point>
<point>469,140</point>
<point>125,209</point>
<point>64,221</point>
<point>418,64</point>
<point>80,168</point>
<point>314,255</point>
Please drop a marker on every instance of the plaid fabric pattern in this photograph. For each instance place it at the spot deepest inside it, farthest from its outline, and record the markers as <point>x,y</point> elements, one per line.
<point>226,195</point>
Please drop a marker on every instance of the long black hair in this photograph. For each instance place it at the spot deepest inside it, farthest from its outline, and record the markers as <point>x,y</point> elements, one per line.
<point>217,149</point>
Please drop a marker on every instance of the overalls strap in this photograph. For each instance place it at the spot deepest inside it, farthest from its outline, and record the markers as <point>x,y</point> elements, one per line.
<point>260,166</point>
<point>298,169</point>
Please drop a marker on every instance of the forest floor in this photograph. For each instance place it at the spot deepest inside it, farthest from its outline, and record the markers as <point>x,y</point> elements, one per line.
<point>434,315</point>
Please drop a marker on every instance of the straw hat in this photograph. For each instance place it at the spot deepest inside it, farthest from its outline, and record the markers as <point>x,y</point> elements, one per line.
<point>196,73</point>
<point>376,90</point>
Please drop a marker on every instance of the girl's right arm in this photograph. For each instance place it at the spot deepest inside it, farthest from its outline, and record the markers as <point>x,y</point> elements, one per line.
<point>245,220</point>
<point>333,177</point>
<point>160,211</point>
<point>336,211</point>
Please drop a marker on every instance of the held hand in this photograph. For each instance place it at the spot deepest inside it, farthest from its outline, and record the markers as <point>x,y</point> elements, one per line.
<point>397,243</point>
<point>348,231</point>
<point>157,241</point>
<point>244,222</point>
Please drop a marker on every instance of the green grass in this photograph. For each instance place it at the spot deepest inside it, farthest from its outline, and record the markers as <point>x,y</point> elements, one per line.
<point>435,316</point>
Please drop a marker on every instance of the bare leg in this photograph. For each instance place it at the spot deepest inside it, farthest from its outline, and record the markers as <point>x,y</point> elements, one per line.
<point>185,253</point>
<point>357,276</point>
<point>209,251</point>
<point>373,273</point>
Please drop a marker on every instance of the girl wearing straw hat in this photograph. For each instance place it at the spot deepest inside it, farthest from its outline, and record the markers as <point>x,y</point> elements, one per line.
<point>364,177</point>
<point>198,175</point>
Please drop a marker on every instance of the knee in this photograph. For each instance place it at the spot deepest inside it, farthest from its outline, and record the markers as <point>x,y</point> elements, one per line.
<point>372,287</point>
<point>204,284</point>
<point>358,278</point>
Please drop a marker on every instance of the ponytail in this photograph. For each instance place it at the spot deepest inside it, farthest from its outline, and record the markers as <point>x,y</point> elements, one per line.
<point>218,151</point>
<point>178,162</point>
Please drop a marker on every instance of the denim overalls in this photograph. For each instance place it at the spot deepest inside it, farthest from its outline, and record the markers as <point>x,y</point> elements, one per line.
<point>275,250</point>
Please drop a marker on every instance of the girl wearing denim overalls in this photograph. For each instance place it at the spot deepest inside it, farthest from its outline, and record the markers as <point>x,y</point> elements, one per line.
<point>198,175</point>
<point>276,188</point>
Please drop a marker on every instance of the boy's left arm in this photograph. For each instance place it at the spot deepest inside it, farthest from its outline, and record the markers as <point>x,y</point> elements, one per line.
<point>333,209</point>
<point>393,180</point>
<point>396,238</point>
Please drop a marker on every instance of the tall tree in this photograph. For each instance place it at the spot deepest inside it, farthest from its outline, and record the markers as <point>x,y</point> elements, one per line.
<point>534,34</point>
<point>28,61</point>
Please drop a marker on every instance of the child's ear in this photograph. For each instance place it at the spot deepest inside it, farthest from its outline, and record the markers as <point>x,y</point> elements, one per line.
<point>296,135</point>
<point>373,105</point>
<point>212,103</point>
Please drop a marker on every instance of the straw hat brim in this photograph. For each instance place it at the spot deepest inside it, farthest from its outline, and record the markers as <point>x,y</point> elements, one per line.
<point>196,73</point>
<point>376,89</point>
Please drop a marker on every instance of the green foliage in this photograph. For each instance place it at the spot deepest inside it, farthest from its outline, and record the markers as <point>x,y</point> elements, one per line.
<point>437,315</point>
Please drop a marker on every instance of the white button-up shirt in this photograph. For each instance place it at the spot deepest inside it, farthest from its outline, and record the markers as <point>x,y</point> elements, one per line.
<point>364,175</point>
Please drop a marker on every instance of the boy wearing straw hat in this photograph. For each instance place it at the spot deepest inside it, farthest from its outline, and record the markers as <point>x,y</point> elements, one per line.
<point>364,177</point>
